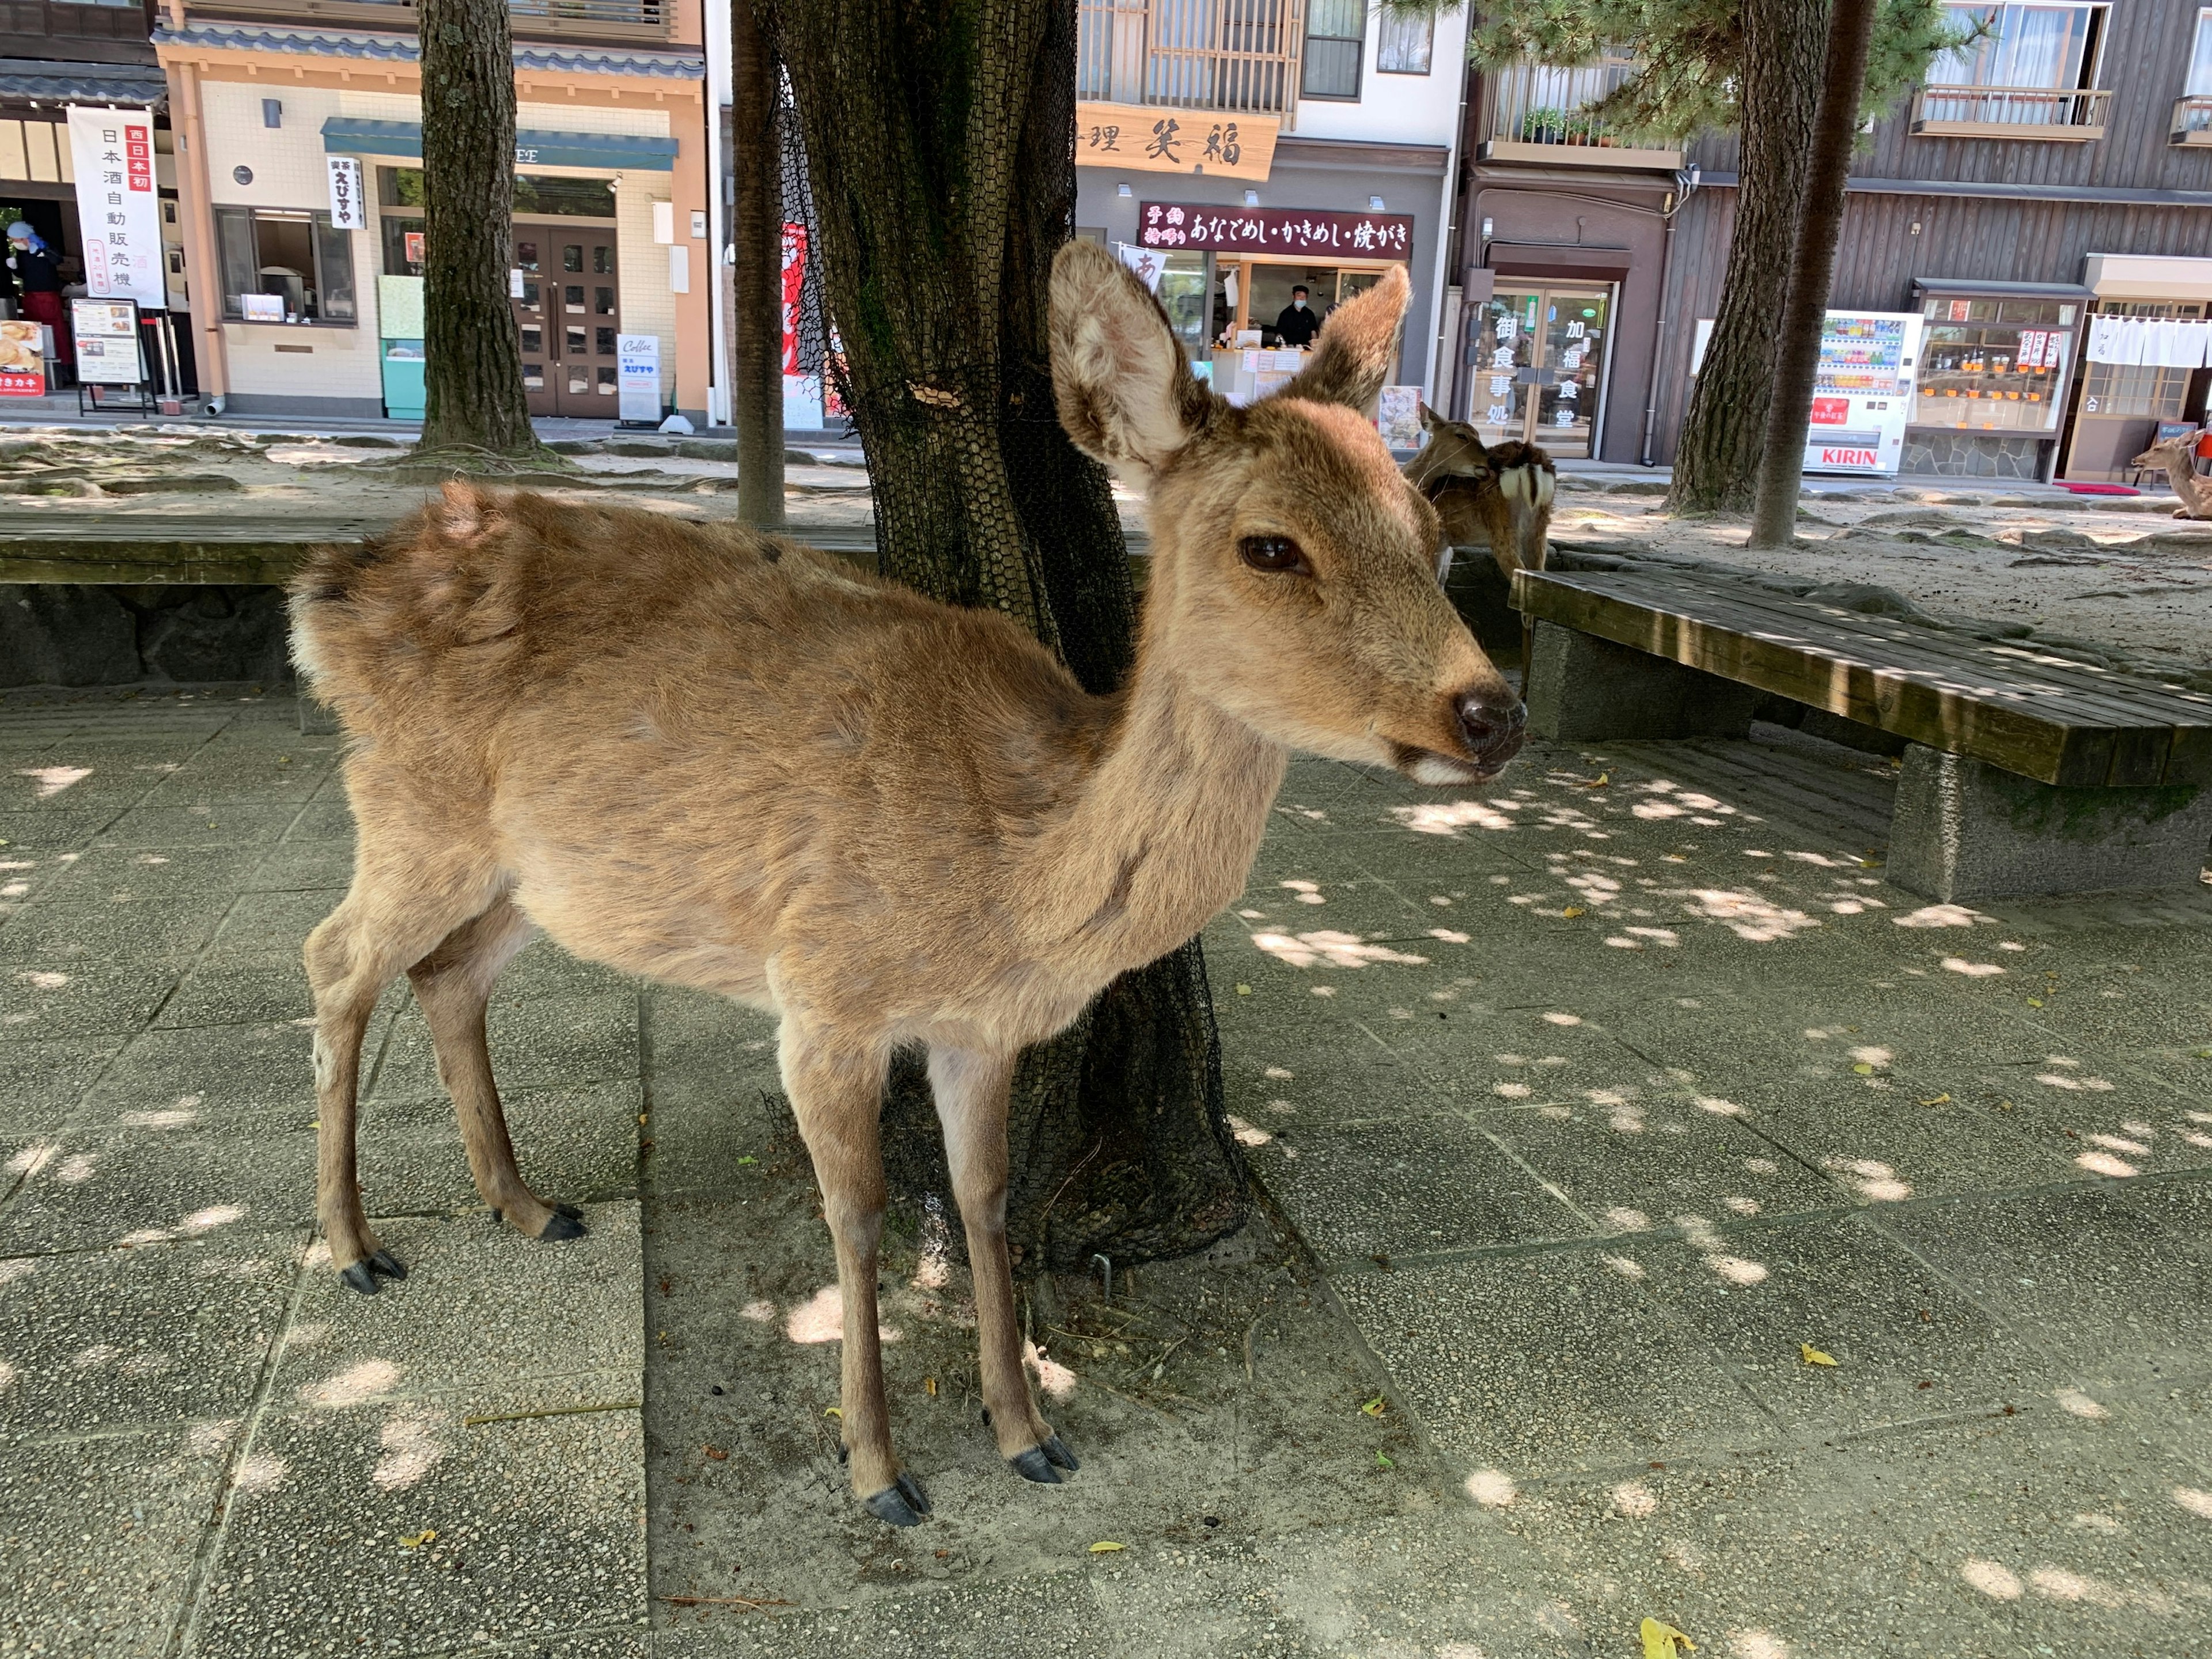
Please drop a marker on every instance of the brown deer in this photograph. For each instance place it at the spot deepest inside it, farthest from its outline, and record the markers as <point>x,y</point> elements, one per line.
<point>1493,494</point>
<point>2177,458</point>
<point>718,759</point>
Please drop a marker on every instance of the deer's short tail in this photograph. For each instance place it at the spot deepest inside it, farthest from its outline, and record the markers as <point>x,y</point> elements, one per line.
<point>1528,480</point>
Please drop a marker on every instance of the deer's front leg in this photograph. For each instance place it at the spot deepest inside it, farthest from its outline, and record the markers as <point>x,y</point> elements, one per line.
<point>837,1095</point>
<point>970,1091</point>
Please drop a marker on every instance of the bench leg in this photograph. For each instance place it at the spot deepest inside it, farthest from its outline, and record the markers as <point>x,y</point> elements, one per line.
<point>1582,688</point>
<point>1964,829</point>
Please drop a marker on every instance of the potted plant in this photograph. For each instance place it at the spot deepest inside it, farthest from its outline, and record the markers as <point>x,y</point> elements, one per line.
<point>1578,129</point>
<point>1545,125</point>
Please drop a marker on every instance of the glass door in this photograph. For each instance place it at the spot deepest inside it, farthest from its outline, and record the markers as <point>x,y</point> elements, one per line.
<point>569,312</point>
<point>1539,365</point>
<point>1574,355</point>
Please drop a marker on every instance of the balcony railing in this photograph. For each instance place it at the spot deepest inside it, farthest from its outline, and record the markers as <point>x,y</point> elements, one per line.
<point>1539,114</point>
<point>2192,119</point>
<point>537,20</point>
<point>2061,115</point>
<point>1192,54</point>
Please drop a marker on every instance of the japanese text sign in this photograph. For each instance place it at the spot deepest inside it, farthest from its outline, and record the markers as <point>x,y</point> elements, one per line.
<point>1275,230</point>
<point>118,208</point>
<point>346,209</point>
<point>638,358</point>
<point>1152,138</point>
<point>22,363</point>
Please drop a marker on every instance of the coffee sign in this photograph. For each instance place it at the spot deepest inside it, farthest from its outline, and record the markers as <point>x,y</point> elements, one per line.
<point>1275,230</point>
<point>1154,138</point>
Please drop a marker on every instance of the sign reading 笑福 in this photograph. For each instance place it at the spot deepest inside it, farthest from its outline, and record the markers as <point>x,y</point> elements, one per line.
<point>1275,230</point>
<point>1149,138</point>
<point>118,206</point>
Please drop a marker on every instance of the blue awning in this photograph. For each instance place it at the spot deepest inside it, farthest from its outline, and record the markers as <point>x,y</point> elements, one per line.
<point>346,135</point>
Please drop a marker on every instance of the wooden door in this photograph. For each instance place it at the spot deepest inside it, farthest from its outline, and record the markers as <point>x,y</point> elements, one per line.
<point>569,313</point>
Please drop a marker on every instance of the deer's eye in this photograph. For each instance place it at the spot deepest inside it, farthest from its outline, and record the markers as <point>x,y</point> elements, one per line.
<point>1272,553</point>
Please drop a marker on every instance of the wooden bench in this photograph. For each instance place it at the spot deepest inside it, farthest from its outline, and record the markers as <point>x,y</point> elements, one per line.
<point>2025,771</point>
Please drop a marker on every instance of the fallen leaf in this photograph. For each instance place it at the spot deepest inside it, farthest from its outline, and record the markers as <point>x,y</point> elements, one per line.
<point>1376,1406</point>
<point>717,1454</point>
<point>1939,1100</point>
<point>1664,1641</point>
<point>1384,1461</point>
<point>1863,1069</point>
<point>832,1411</point>
<point>930,1383</point>
<point>1812,1356</point>
<point>2035,1002</point>
<point>1243,990</point>
<point>748,1160</point>
<point>1599,782</point>
<point>415,1540</point>
<point>1573,910</point>
<point>1106,1546</point>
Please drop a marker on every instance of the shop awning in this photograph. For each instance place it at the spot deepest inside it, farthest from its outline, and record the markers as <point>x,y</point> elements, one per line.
<point>346,135</point>
<point>2147,276</point>
<point>1963,286</point>
<point>1569,259</point>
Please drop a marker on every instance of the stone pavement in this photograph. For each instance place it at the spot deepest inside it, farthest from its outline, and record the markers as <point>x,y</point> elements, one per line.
<point>1592,1114</point>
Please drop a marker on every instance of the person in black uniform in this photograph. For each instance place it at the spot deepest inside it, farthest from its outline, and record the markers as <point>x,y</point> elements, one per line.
<point>1297,323</point>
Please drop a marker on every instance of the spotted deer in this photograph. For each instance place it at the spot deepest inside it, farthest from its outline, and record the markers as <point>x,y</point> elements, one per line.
<point>2177,458</point>
<point>1497,496</point>
<point>718,759</point>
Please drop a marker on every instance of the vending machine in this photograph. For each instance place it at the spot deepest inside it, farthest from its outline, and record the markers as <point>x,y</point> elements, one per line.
<point>1863,391</point>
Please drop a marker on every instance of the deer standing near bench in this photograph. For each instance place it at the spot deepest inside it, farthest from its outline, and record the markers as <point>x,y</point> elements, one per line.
<point>1493,494</point>
<point>718,759</point>
<point>2177,458</point>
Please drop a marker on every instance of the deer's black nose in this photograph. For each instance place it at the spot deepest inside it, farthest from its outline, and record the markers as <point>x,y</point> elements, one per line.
<point>1493,730</point>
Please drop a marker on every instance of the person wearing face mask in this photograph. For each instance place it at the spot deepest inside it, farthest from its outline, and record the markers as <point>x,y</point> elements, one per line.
<point>1297,323</point>
<point>38,274</point>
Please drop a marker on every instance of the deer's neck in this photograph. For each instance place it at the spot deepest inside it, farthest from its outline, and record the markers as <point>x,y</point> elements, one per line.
<point>1161,836</point>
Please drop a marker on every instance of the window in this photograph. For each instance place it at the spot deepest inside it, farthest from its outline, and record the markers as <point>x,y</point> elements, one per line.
<point>1336,35</point>
<point>1995,364</point>
<point>2199,83</point>
<point>284,267</point>
<point>2036,47</point>
<point>1405,43</point>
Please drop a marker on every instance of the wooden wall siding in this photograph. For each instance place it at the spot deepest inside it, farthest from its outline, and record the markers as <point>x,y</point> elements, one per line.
<point>2146,60</point>
<point>1987,239</point>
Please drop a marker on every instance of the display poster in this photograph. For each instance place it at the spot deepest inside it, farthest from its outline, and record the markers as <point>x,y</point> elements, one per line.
<point>106,342</point>
<point>639,357</point>
<point>1398,416</point>
<point>348,211</point>
<point>118,208</point>
<point>1863,391</point>
<point>22,358</point>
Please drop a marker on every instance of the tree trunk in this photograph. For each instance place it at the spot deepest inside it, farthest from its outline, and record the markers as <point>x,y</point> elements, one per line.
<point>756,233</point>
<point>472,367</point>
<point>1716,462</point>
<point>1812,272</point>
<point>940,141</point>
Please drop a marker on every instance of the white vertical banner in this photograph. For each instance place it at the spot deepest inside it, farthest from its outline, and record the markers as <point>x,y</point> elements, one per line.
<point>347,211</point>
<point>1149,266</point>
<point>118,208</point>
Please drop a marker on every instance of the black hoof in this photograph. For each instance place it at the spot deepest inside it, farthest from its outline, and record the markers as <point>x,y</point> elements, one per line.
<point>363,1274</point>
<point>1056,1448</point>
<point>568,1210</point>
<point>1034,1465</point>
<point>383,1262</point>
<point>903,1504</point>
<point>563,1226</point>
<point>359,1278</point>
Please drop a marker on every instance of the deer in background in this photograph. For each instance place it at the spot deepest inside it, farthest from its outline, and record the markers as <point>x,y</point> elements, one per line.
<point>1493,494</point>
<point>2177,457</point>
<point>717,759</point>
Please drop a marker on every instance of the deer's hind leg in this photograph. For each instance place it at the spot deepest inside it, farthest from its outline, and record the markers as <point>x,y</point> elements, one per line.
<point>397,911</point>
<point>453,983</point>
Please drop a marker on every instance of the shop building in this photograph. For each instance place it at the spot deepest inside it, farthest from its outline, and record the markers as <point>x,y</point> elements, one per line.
<point>299,172</point>
<point>2054,171</point>
<point>1304,145</point>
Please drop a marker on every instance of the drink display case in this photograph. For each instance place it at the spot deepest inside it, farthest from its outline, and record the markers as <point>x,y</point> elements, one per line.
<point>1863,392</point>
<point>1996,364</point>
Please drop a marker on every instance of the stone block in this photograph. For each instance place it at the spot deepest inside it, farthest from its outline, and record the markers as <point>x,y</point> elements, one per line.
<point>1582,689</point>
<point>1964,829</point>
<point>59,633</point>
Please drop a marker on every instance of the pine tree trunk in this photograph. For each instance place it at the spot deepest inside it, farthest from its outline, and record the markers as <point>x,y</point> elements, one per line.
<point>1812,273</point>
<point>472,367</point>
<point>756,233</point>
<point>1716,462</point>
<point>940,151</point>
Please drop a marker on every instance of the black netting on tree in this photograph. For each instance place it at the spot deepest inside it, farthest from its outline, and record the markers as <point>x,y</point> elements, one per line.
<point>802,253</point>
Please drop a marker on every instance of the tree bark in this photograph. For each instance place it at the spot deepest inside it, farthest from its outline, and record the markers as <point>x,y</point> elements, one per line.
<point>756,233</point>
<point>1716,462</point>
<point>941,149</point>
<point>1812,273</point>
<point>472,368</point>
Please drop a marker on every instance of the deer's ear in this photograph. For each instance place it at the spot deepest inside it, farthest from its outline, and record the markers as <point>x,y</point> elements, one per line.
<point>1358,342</point>
<point>1124,393</point>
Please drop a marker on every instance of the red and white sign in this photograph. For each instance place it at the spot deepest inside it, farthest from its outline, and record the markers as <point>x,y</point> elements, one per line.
<point>1831,456</point>
<point>1831,411</point>
<point>22,360</point>
<point>118,207</point>
<point>1275,230</point>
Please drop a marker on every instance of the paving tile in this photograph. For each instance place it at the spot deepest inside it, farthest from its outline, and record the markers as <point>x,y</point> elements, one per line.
<point>64,932</point>
<point>270,926</point>
<point>326,818</point>
<point>165,827</point>
<point>96,997</point>
<point>1546,1361</point>
<point>571,1144</point>
<point>101,1539</point>
<point>229,1069</point>
<point>43,1082</point>
<point>28,835</point>
<point>231,992</point>
<point>538,1524</point>
<point>1400,1186</point>
<point>482,1307</point>
<point>100,1340</point>
<point>2103,1114</point>
<point>1332,1070</point>
<point>2097,1273</point>
<point>535,1042</point>
<point>299,865</point>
